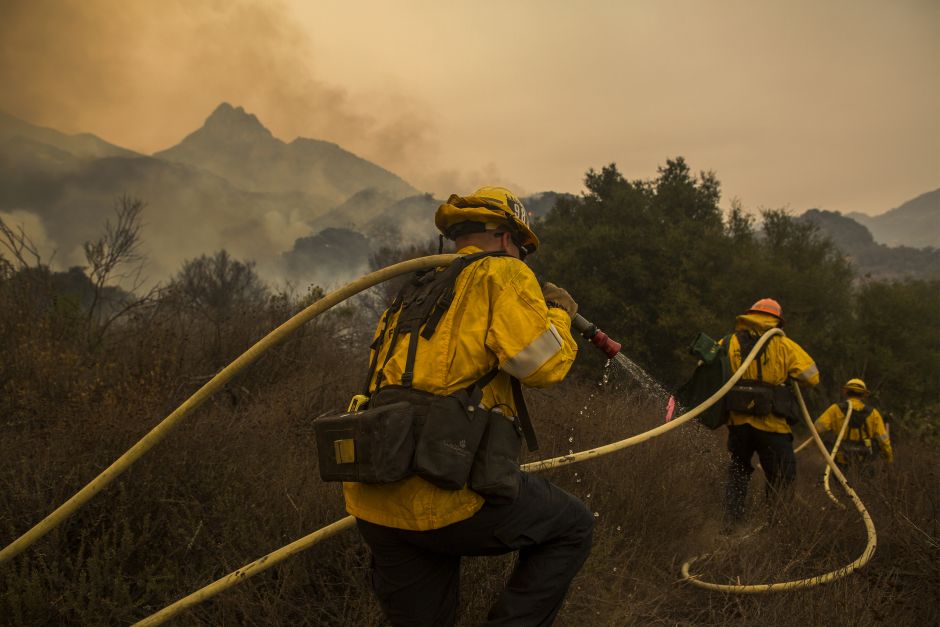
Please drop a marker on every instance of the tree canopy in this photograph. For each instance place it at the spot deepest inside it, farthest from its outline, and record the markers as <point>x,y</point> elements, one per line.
<point>653,262</point>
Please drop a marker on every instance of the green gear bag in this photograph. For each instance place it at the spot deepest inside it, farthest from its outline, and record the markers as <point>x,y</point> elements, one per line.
<point>713,370</point>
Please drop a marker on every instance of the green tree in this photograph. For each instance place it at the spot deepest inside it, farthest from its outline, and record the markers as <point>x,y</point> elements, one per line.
<point>641,257</point>
<point>655,261</point>
<point>896,346</point>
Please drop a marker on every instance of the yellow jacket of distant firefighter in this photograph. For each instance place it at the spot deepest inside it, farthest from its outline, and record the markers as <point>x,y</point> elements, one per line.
<point>874,427</point>
<point>782,359</point>
<point>498,316</point>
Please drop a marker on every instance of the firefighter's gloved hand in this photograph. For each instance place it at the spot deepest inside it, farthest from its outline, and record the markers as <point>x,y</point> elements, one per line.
<point>559,297</point>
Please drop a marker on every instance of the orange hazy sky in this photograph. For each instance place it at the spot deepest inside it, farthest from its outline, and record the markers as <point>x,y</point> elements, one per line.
<point>794,104</point>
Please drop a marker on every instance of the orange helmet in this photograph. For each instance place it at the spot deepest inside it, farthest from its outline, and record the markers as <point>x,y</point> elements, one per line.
<point>768,306</point>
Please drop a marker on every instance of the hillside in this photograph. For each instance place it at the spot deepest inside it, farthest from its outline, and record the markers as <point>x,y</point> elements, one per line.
<point>229,184</point>
<point>234,145</point>
<point>82,145</point>
<point>916,223</point>
<point>869,258</point>
<point>189,211</point>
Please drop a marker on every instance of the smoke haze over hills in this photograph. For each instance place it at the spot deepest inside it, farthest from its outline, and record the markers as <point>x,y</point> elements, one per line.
<point>229,185</point>
<point>797,105</point>
<point>308,211</point>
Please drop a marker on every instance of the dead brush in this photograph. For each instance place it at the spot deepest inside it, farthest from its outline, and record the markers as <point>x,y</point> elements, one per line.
<point>240,480</point>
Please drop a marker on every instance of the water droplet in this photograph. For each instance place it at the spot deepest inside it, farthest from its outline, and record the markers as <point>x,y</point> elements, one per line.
<point>618,527</point>
<point>615,569</point>
<point>597,514</point>
<point>588,495</point>
<point>571,438</point>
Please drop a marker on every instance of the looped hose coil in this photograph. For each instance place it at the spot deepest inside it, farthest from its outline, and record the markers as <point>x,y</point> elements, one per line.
<point>809,581</point>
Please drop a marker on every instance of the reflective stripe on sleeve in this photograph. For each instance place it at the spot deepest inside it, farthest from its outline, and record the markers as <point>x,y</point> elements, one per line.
<point>882,438</point>
<point>808,374</point>
<point>531,358</point>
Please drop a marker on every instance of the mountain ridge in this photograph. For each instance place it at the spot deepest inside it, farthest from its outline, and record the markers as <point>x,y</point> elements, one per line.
<point>83,145</point>
<point>232,184</point>
<point>872,259</point>
<point>70,183</point>
<point>235,145</point>
<point>915,222</point>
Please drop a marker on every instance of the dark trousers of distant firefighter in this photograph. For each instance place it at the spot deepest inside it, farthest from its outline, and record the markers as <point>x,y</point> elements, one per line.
<point>775,452</point>
<point>416,574</point>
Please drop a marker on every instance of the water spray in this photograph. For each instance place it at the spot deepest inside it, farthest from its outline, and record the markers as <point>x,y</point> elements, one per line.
<point>595,336</point>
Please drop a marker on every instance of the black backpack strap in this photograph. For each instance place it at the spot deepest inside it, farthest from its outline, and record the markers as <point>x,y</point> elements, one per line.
<point>445,300</point>
<point>407,377</point>
<point>423,302</point>
<point>746,342</point>
<point>860,420</point>
<point>388,355</point>
<point>522,411</point>
<point>525,422</point>
<point>377,345</point>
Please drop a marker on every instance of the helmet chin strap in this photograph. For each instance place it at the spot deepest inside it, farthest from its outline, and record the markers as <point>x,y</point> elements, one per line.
<point>512,237</point>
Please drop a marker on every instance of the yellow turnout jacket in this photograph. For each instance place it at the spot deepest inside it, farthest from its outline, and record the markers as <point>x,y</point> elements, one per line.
<point>498,316</point>
<point>781,359</point>
<point>833,418</point>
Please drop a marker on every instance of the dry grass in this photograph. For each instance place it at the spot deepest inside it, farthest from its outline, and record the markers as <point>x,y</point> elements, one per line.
<point>239,480</point>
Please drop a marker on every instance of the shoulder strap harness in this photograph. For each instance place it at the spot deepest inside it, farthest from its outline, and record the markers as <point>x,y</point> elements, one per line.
<point>422,303</point>
<point>859,418</point>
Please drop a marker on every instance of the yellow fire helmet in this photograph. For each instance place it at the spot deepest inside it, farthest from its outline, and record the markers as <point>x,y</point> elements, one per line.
<point>856,385</point>
<point>486,209</point>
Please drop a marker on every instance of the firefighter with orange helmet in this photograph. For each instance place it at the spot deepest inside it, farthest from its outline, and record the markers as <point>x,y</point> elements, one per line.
<point>761,407</point>
<point>500,327</point>
<point>866,426</point>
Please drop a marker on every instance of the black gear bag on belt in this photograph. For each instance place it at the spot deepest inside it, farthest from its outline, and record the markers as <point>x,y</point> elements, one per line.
<point>451,441</point>
<point>748,396</point>
<point>756,396</point>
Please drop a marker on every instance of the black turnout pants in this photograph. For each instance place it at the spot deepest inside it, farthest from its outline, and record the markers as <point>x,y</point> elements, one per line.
<point>415,574</point>
<point>775,451</point>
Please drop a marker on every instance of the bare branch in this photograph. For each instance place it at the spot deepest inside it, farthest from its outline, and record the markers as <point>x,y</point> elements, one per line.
<point>20,246</point>
<point>117,248</point>
<point>120,243</point>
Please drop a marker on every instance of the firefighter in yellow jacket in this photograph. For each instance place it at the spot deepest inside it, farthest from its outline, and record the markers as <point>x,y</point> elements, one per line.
<point>500,321</point>
<point>866,426</point>
<point>761,407</point>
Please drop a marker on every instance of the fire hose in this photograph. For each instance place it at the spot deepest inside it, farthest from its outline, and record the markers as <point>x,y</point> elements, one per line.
<point>587,329</point>
<point>839,573</point>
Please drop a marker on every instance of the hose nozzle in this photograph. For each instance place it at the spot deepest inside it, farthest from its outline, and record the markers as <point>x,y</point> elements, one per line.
<point>595,336</point>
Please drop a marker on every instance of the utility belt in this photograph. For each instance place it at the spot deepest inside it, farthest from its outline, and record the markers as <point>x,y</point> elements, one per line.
<point>857,450</point>
<point>450,441</point>
<point>759,398</point>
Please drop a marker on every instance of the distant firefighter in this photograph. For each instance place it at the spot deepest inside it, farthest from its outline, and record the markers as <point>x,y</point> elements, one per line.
<point>761,406</point>
<point>865,426</point>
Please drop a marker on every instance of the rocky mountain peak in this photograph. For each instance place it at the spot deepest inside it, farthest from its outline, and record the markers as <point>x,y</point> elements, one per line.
<point>234,123</point>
